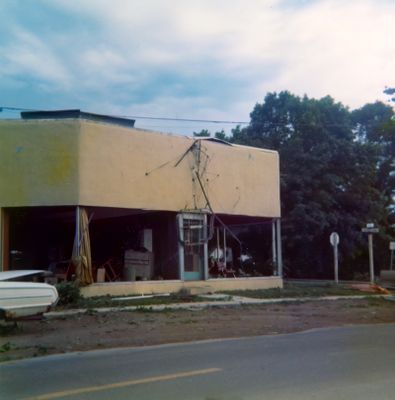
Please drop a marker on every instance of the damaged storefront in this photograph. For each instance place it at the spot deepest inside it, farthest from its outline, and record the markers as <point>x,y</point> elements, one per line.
<point>121,210</point>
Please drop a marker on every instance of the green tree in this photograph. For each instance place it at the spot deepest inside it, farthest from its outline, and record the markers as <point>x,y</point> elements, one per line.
<point>221,135</point>
<point>389,91</point>
<point>374,123</point>
<point>202,133</point>
<point>218,135</point>
<point>328,178</point>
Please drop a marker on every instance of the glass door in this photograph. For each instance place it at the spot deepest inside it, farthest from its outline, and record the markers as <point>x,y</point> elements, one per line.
<point>192,246</point>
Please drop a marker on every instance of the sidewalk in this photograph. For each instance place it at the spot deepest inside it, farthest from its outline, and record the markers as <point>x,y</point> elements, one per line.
<point>195,306</point>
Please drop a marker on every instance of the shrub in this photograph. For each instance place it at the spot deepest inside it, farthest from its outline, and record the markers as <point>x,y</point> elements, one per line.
<point>69,293</point>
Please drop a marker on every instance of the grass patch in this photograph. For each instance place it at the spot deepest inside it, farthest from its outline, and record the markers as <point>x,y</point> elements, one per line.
<point>41,351</point>
<point>8,328</point>
<point>290,290</point>
<point>293,290</point>
<point>69,293</point>
<point>377,301</point>
<point>91,303</point>
<point>6,347</point>
<point>359,305</point>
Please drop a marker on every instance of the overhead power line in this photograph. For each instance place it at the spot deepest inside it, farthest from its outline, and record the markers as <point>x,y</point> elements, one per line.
<point>266,124</point>
<point>184,119</point>
<point>17,109</point>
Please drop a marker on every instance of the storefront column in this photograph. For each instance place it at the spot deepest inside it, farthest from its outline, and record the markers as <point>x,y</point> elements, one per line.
<point>205,252</point>
<point>77,230</point>
<point>279,249</point>
<point>180,247</point>
<point>1,239</point>
<point>4,240</point>
<point>274,248</point>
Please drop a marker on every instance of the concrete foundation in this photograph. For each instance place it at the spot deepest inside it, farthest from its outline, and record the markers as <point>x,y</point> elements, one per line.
<point>173,286</point>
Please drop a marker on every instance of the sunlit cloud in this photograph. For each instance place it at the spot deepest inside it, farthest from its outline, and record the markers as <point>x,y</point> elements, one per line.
<point>206,59</point>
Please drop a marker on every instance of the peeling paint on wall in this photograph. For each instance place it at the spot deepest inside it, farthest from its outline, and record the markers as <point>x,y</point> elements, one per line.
<point>38,163</point>
<point>70,162</point>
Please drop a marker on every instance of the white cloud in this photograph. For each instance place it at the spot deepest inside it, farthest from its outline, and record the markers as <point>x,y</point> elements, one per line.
<point>28,56</point>
<point>325,47</point>
<point>222,56</point>
<point>340,49</point>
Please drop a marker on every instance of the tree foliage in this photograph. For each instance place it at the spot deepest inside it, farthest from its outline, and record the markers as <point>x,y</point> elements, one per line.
<point>202,133</point>
<point>390,91</point>
<point>218,135</point>
<point>334,174</point>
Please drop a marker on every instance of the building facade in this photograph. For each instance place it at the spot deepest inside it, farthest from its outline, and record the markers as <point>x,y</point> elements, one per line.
<point>81,192</point>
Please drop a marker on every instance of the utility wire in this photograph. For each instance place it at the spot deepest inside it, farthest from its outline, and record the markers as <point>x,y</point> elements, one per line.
<point>147,117</point>
<point>184,119</point>
<point>17,109</point>
<point>266,124</point>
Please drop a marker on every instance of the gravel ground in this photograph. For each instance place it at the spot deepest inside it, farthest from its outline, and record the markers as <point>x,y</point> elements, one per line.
<point>141,328</point>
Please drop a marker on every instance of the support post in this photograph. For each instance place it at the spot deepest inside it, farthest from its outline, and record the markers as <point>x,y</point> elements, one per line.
<point>274,250</point>
<point>370,229</point>
<point>371,260</point>
<point>336,264</point>
<point>224,247</point>
<point>4,240</point>
<point>1,240</point>
<point>334,240</point>
<point>279,249</point>
<point>205,253</point>
<point>77,230</point>
<point>217,245</point>
<point>180,228</point>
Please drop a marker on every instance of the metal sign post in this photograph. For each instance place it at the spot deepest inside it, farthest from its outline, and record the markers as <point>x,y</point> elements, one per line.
<point>371,259</point>
<point>392,248</point>
<point>334,240</point>
<point>370,229</point>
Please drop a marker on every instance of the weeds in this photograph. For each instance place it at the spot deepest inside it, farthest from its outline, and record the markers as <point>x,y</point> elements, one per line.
<point>291,290</point>
<point>358,305</point>
<point>41,350</point>
<point>71,300</point>
<point>69,293</point>
<point>91,311</point>
<point>144,309</point>
<point>6,347</point>
<point>8,328</point>
<point>376,301</point>
<point>189,321</point>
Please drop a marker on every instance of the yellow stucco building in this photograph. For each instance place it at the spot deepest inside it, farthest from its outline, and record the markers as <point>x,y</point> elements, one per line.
<point>161,209</point>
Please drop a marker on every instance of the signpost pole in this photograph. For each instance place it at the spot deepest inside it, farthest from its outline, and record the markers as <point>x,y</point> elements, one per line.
<point>335,256</point>
<point>274,249</point>
<point>371,262</point>
<point>370,230</point>
<point>392,248</point>
<point>279,250</point>
<point>334,240</point>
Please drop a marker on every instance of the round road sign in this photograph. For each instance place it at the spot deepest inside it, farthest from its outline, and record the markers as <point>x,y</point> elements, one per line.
<point>334,239</point>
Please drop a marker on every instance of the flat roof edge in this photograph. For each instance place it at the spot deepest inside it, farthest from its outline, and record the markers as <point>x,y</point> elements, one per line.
<point>76,113</point>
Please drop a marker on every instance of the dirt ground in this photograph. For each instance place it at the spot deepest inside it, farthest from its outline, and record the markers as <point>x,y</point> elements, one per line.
<point>141,328</point>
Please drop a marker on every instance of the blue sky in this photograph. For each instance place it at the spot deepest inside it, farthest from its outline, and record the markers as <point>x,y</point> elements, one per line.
<point>206,59</point>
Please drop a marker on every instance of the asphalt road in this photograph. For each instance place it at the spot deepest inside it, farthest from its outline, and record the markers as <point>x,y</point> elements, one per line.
<point>337,363</point>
